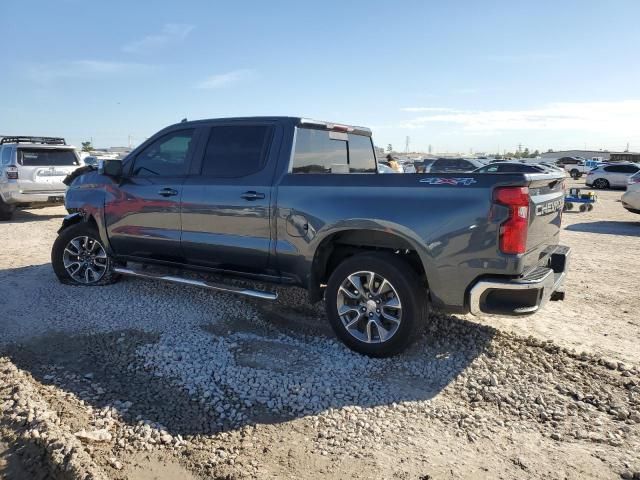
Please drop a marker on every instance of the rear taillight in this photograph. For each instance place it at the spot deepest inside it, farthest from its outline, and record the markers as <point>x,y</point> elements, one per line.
<point>633,180</point>
<point>12,173</point>
<point>513,231</point>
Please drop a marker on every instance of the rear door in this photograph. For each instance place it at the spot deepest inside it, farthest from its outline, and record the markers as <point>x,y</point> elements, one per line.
<point>226,204</point>
<point>41,170</point>
<point>142,212</point>
<point>616,175</point>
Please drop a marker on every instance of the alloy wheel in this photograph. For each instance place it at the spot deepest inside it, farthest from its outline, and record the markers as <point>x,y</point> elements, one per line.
<point>369,307</point>
<point>85,260</point>
<point>601,183</point>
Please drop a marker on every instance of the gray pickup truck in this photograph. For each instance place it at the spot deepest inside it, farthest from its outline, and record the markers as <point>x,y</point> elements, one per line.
<point>299,202</point>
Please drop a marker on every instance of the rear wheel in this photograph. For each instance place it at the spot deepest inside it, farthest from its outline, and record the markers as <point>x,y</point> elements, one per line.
<point>575,173</point>
<point>78,257</point>
<point>601,183</point>
<point>376,304</point>
<point>6,210</point>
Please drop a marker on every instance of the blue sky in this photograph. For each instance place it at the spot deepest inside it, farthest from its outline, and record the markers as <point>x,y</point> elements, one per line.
<point>456,75</point>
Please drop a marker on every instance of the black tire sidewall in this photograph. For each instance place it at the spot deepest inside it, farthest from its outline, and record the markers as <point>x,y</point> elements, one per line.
<point>412,293</point>
<point>64,237</point>
<point>6,210</point>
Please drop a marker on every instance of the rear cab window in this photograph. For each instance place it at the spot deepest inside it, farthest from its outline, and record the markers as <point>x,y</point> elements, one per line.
<point>46,157</point>
<point>322,151</point>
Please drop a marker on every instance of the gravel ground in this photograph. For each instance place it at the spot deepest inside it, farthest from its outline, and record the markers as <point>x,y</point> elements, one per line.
<point>144,380</point>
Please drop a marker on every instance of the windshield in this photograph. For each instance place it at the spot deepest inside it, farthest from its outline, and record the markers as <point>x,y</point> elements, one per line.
<point>44,157</point>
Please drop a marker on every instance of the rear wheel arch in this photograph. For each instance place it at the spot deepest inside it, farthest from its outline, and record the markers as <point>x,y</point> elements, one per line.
<point>339,246</point>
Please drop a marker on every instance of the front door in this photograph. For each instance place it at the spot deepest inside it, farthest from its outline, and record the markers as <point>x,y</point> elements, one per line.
<point>226,204</point>
<point>142,213</point>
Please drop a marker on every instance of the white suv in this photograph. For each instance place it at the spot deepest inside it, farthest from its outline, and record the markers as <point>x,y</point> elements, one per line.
<point>32,170</point>
<point>611,175</point>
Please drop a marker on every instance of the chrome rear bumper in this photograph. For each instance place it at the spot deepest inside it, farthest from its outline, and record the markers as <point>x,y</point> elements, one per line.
<point>523,295</point>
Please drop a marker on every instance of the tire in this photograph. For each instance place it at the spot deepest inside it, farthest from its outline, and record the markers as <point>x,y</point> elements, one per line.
<point>589,207</point>
<point>601,183</point>
<point>403,287</point>
<point>583,207</point>
<point>575,173</point>
<point>568,206</point>
<point>6,211</point>
<point>84,239</point>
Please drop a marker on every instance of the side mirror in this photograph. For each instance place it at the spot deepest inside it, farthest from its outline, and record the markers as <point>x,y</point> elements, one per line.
<point>111,168</point>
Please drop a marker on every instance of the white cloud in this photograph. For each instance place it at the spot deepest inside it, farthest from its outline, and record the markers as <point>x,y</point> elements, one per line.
<point>171,32</point>
<point>619,117</point>
<point>47,72</point>
<point>222,80</point>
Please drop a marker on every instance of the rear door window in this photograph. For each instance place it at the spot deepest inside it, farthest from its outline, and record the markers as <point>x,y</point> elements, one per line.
<point>629,168</point>
<point>44,157</point>
<point>235,151</point>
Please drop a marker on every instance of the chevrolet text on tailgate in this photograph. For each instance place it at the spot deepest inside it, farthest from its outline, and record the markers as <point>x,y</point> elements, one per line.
<point>298,202</point>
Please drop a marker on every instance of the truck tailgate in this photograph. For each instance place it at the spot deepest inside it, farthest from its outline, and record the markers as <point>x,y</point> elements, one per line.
<point>546,194</point>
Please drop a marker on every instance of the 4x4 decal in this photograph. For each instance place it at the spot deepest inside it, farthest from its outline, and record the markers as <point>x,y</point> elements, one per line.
<point>448,181</point>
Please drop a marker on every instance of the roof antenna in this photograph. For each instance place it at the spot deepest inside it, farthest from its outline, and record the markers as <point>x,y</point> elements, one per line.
<point>183,120</point>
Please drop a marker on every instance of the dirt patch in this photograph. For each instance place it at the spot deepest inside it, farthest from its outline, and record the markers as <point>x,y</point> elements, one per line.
<point>145,466</point>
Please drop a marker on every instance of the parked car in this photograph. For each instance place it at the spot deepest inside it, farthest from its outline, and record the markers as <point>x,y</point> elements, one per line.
<point>631,198</point>
<point>552,166</point>
<point>564,161</point>
<point>423,165</point>
<point>611,175</point>
<point>408,167</point>
<point>384,168</point>
<point>299,202</point>
<point>32,170</point>
<point>444,165</point>
<point>511,167</point>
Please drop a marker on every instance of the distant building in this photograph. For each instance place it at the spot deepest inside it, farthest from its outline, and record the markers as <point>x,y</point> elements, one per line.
<point>122,151</point>
<point>586,154</point>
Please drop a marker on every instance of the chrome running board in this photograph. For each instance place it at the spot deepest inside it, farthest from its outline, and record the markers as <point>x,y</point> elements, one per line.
<point>198,283</point>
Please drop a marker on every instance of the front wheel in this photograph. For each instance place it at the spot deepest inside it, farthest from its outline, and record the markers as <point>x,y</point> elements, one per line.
<point>78,257</point>
<point>376,304</point>
<point>601,183</point>
<point>575,173</point>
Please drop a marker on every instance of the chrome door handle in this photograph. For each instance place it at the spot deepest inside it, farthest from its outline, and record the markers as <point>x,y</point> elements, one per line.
<point>168,192</point>
<point>252,195</point>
